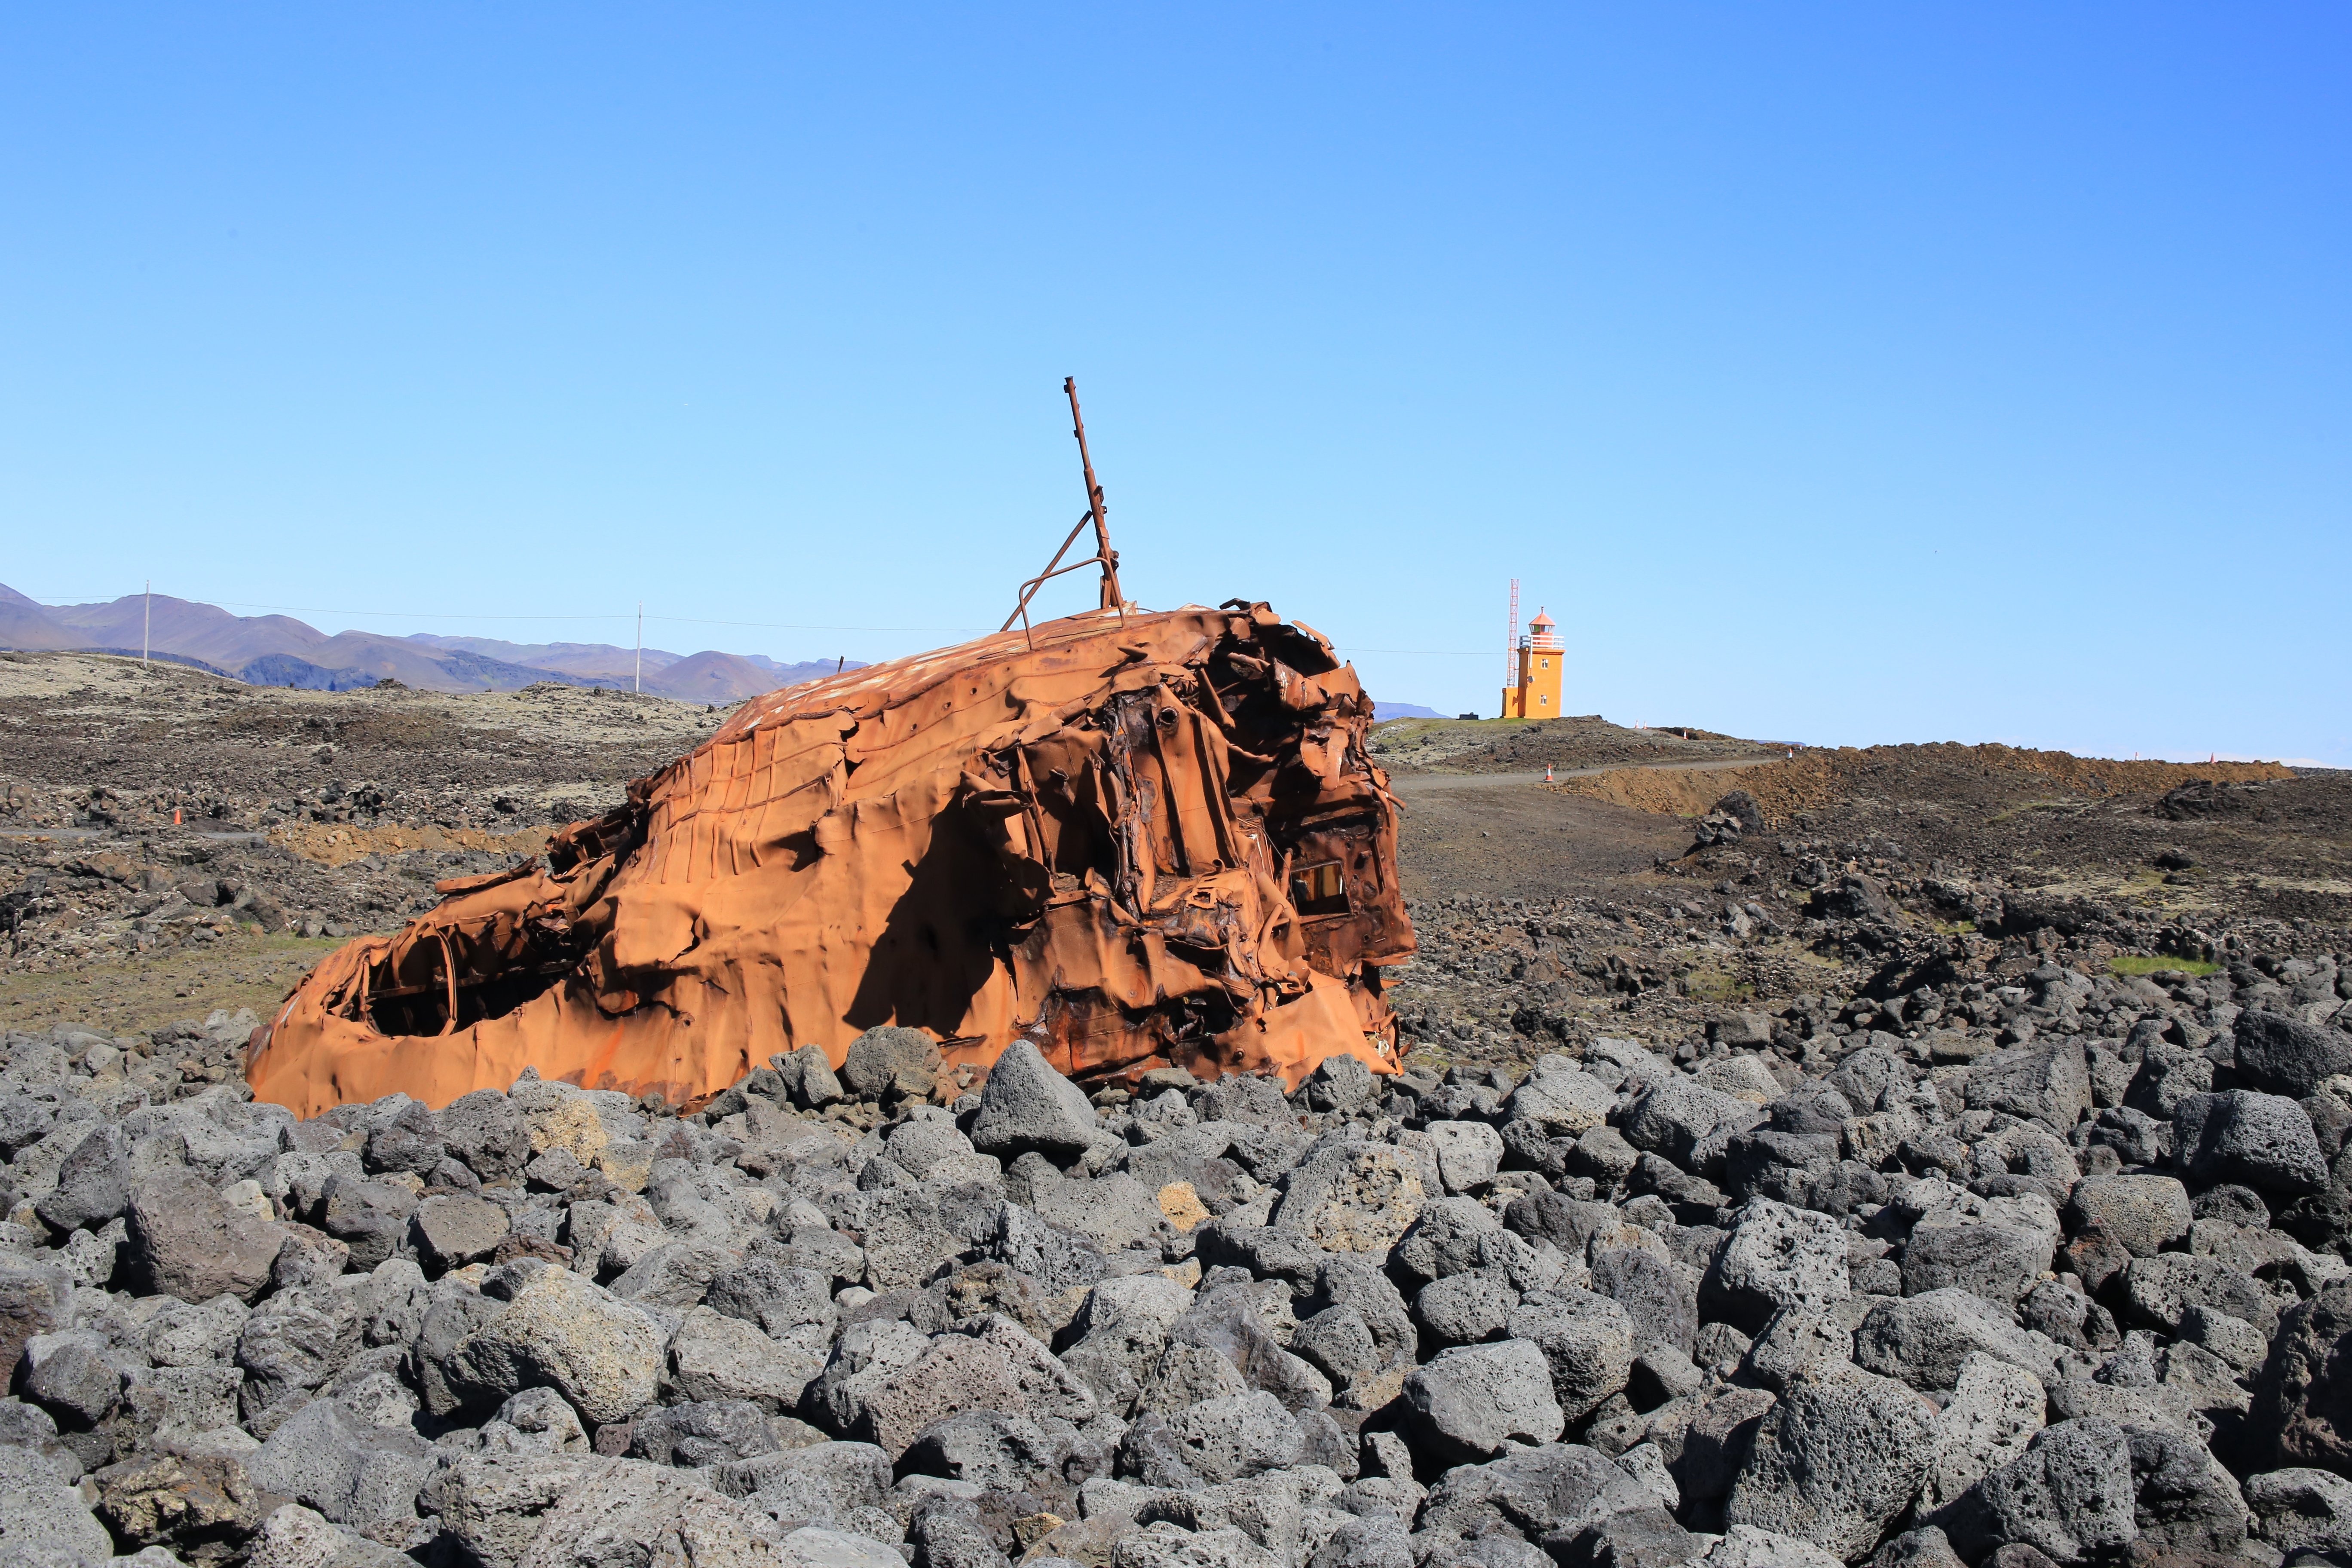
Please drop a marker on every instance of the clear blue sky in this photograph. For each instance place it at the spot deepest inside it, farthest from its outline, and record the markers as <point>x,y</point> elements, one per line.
<point>1839,372</point>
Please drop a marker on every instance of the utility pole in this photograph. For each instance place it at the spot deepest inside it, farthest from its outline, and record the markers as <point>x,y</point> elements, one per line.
<point>641,647</point>
<point>147,623</point>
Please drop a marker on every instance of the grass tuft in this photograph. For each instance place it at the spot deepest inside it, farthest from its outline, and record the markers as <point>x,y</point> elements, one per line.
<point>2132,963</point>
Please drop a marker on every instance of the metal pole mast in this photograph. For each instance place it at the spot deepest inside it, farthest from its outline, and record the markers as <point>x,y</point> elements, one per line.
<point>1112,598</point>
<point>1511,646</point>
<point>147,623</point>
<point>641,647</point>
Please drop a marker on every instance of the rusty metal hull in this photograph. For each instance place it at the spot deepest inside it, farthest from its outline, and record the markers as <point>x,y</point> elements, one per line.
<point>1138,842</point>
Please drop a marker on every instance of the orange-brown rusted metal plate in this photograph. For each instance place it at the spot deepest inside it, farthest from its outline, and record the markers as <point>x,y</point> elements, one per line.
<point>1138,843</point>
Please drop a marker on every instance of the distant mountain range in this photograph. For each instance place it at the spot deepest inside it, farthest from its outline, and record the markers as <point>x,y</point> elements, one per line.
<point>278,650</point>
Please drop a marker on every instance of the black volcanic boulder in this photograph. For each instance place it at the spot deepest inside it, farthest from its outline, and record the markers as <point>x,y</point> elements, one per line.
<point>2302,1397</point>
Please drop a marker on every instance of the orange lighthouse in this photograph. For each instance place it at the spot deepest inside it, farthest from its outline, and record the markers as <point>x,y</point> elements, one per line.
<point>1535,693</point>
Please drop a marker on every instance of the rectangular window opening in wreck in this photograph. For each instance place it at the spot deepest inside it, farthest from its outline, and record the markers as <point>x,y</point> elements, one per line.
<point>407,992</point>
<point>1319,890</point>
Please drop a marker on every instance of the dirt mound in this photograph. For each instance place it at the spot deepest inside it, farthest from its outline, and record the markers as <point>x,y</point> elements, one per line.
<point>1512,745</point>
<point>1816,778</point>
<point>331,845</point>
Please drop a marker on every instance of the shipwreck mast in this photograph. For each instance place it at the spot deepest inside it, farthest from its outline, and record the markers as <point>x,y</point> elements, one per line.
<point>1104,555</point>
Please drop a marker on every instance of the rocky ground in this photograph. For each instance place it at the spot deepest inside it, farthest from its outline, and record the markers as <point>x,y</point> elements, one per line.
<point>172,843</point>
<point>1928,1159</point>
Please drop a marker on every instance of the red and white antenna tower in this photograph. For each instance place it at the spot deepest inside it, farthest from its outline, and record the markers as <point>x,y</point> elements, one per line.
<point>1511,641</point>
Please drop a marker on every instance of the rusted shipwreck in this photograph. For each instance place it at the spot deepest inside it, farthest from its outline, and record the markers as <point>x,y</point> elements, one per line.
<point>1136,839</point>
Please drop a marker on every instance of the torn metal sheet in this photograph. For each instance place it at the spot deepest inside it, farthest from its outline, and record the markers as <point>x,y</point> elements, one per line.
<point>1138,843</point>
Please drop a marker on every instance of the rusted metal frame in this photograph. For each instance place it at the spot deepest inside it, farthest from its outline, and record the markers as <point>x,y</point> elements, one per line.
<point>449,969</point>
<point>1029,589</point>
<point>1112,598</point>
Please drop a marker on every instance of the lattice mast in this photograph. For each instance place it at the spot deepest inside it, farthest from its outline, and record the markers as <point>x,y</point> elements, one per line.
<point>1511,642</point>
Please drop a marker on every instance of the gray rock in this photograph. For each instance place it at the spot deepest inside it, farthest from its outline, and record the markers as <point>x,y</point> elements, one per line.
<point>919,1144</point>
<point>1999,1262</point>
<point>1555,1492</point>
<point>2302,1511</point>
<point>1475,1399</point>
<point>904,1239</point>
<point>2184,1500</point>
<point>93,1184</point>
<point>455,1230</point>
<point>1168,1545</point>
<point>2049,1084</point>
<point>363,1477</point>
<point>1745,1546</point>
<point>674,1274</point>
<point>484,1129</point>
<point>2262,1140</point>
<point>1836,1461</point>
<point>1661,1295</point>
<point>2069,1496</point>
<point>1028,1105</point>
<point>891,1062</point>
<point>1461,1309</point>
<point>1449,1236</point>
<point>1588,1341</point>
<point>1672,1114</point>
<point>792,1304</point>
<point>1361,1295</point>
<point>1359,1197</point>
<point>295,1537</point>
<point>540,1418</point>
<point>885,1389</point>
<point>36,1297</point>
<point>1925,1340</point>
<point>182,1335</point>
<point>68,1374</point>
<point>1641,1538</point>
<point>1250,1098</point>
<point>1119,1331</point>
<point>808,1078</point>
<point>825,1482</point>
<point>1468,1153</point>
<point>2160,1290</point>
<point>716,1357</point>
<point>2145,1214</point>
<point>703,1433</point>
<point>183,1240</point>
<point>1560,1097</point>
<point>569,1509</point>
<point>1602,1153</point>
<point>1993,1413</point>
<point>1341,1083</point>
<point>1775,1256</point>
<point>1797,1337</point>
<point>602,1355</point>
<point>2303,1398</point>
<point>2232,1339</point>
<point>2285,1054</point>
<point>1003,1453</point>
<point>410,1140</point>
<point>291,1344</point>
<point>1925,1547</point>
<point>370,1217</point>
<point>1240,1434</point>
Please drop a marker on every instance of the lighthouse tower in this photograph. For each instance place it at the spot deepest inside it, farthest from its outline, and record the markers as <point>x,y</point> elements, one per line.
<point>1536,692</point>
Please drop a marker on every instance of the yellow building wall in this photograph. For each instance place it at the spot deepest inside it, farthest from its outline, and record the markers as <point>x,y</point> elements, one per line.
<point>1537,696</point>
